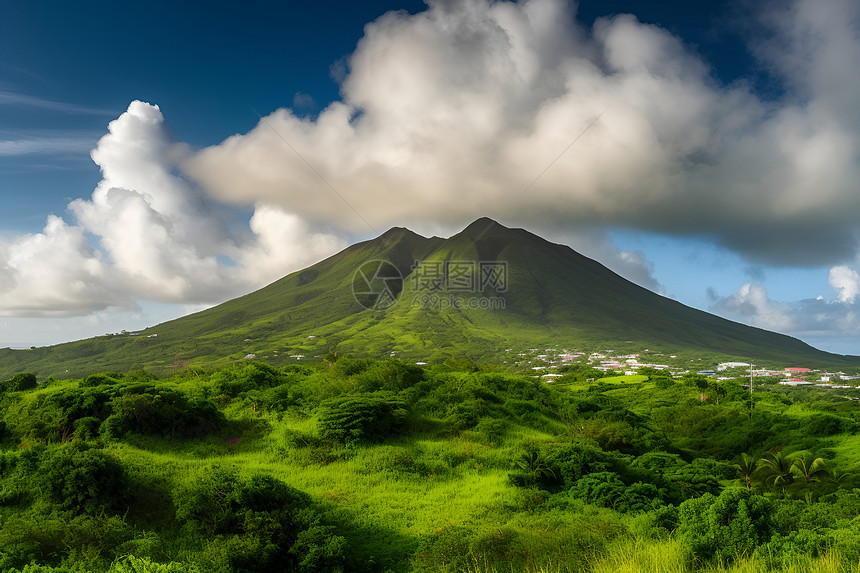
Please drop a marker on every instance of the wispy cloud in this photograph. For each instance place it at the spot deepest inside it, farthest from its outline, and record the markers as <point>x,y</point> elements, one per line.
<point>14,98</point>
<point>46,144</point>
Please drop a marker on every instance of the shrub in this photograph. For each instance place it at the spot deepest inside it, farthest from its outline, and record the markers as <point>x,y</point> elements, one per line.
<point>99,380</point>
<point>132,564</point>
<point>19,382</point>
<point>570,462</point>
<point>161,413</point>
<point>257,524</point>
<point>81,478</point>
<point>727,527</point>
<point>86,428</point>
<point>603,489</point>
<point>828,425</point>
<point>361,418</point>
<point>391,375</point>
<point>464,415</point>
<point>254,376</point>
<point>784,550</point>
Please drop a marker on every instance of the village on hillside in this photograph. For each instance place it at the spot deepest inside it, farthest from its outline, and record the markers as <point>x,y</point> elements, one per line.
<point>549,363</point>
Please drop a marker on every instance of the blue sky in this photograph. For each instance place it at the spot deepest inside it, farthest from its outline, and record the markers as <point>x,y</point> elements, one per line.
<point>154,158</point>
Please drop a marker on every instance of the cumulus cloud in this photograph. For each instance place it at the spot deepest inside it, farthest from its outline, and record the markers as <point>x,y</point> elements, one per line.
<point>814,318</point>
<point>146,234</point>
<point>751,304</point>
<point>474,108</point>
<point>846,281</point>
<point>55,273</point>
<point>283,241</point>
<point>451,113</point>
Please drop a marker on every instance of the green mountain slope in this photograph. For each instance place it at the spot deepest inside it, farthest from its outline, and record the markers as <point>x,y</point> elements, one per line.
<point>542,294</point>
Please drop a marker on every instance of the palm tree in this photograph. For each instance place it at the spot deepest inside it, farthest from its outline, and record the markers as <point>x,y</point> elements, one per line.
<point>532,463</point>
<point>747,466</point>
<point>810,467</point>
<point>837,478</point>
<point>778,469</point>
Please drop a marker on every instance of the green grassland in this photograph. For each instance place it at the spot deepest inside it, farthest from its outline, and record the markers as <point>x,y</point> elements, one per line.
<point>378,465</point>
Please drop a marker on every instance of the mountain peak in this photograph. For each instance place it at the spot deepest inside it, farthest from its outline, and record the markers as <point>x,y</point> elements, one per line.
<point>481,227</point>
<point>396,234</point>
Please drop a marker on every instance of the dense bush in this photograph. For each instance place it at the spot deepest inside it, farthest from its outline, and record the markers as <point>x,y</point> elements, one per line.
<point>19,382</point>
<point>81,478</point>
<point>828,425</point>
<point>159,412</point>
<point>726,527</point>
<point>361,418</point>
<point>257,524</point>
<point>253,376</point>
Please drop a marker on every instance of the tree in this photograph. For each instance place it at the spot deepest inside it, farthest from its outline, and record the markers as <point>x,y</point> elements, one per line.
<point>83,479</point>
<point>778,470</point>
<point>747,466</point>
<point>837,478</point>
<point>810,467</point>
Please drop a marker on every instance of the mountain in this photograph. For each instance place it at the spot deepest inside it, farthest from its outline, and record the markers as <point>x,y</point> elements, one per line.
<point>473,295</point>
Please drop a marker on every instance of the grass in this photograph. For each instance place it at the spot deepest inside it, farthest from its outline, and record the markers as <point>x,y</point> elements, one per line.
<point>430,485</point>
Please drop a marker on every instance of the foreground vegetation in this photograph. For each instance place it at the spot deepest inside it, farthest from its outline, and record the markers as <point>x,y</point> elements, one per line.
<point>377,465</point>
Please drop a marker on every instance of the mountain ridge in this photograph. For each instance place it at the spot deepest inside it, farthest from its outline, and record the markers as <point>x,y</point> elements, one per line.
<point>474,294</point>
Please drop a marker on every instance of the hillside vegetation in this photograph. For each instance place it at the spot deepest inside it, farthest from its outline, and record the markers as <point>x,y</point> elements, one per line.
<point>550,295</point>
<point>378,465</point>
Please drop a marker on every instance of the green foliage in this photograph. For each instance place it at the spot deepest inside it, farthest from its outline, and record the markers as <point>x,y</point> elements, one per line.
<point>253,376</point>
<point>19,382</point>
<point>81,478</point>
<point>132,564</point>
<point>257,524</point>
<point>777,469</point>
<point>828,425</point>
<point>361,418</point>
<point>364,465</point>
<point>725,527</point>
<point>157,412</point>
<point>58,542</point>
<point>570,462</point>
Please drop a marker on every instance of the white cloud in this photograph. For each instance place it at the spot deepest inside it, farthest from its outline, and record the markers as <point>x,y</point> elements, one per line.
<point>18,99</point>
<point>449,114</point>
<point>846,281</point>
<point>153,237</point>
<point>815,319</point>
<point>40,144</point>
<point>55,273</point>
<point>283,240</point>
<point>751,304</point>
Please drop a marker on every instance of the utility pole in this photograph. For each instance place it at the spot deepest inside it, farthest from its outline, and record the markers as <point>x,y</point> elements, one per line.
<point>751,377</point>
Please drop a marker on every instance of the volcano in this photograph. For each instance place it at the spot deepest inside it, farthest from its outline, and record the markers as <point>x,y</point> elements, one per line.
<point>474,295</point>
